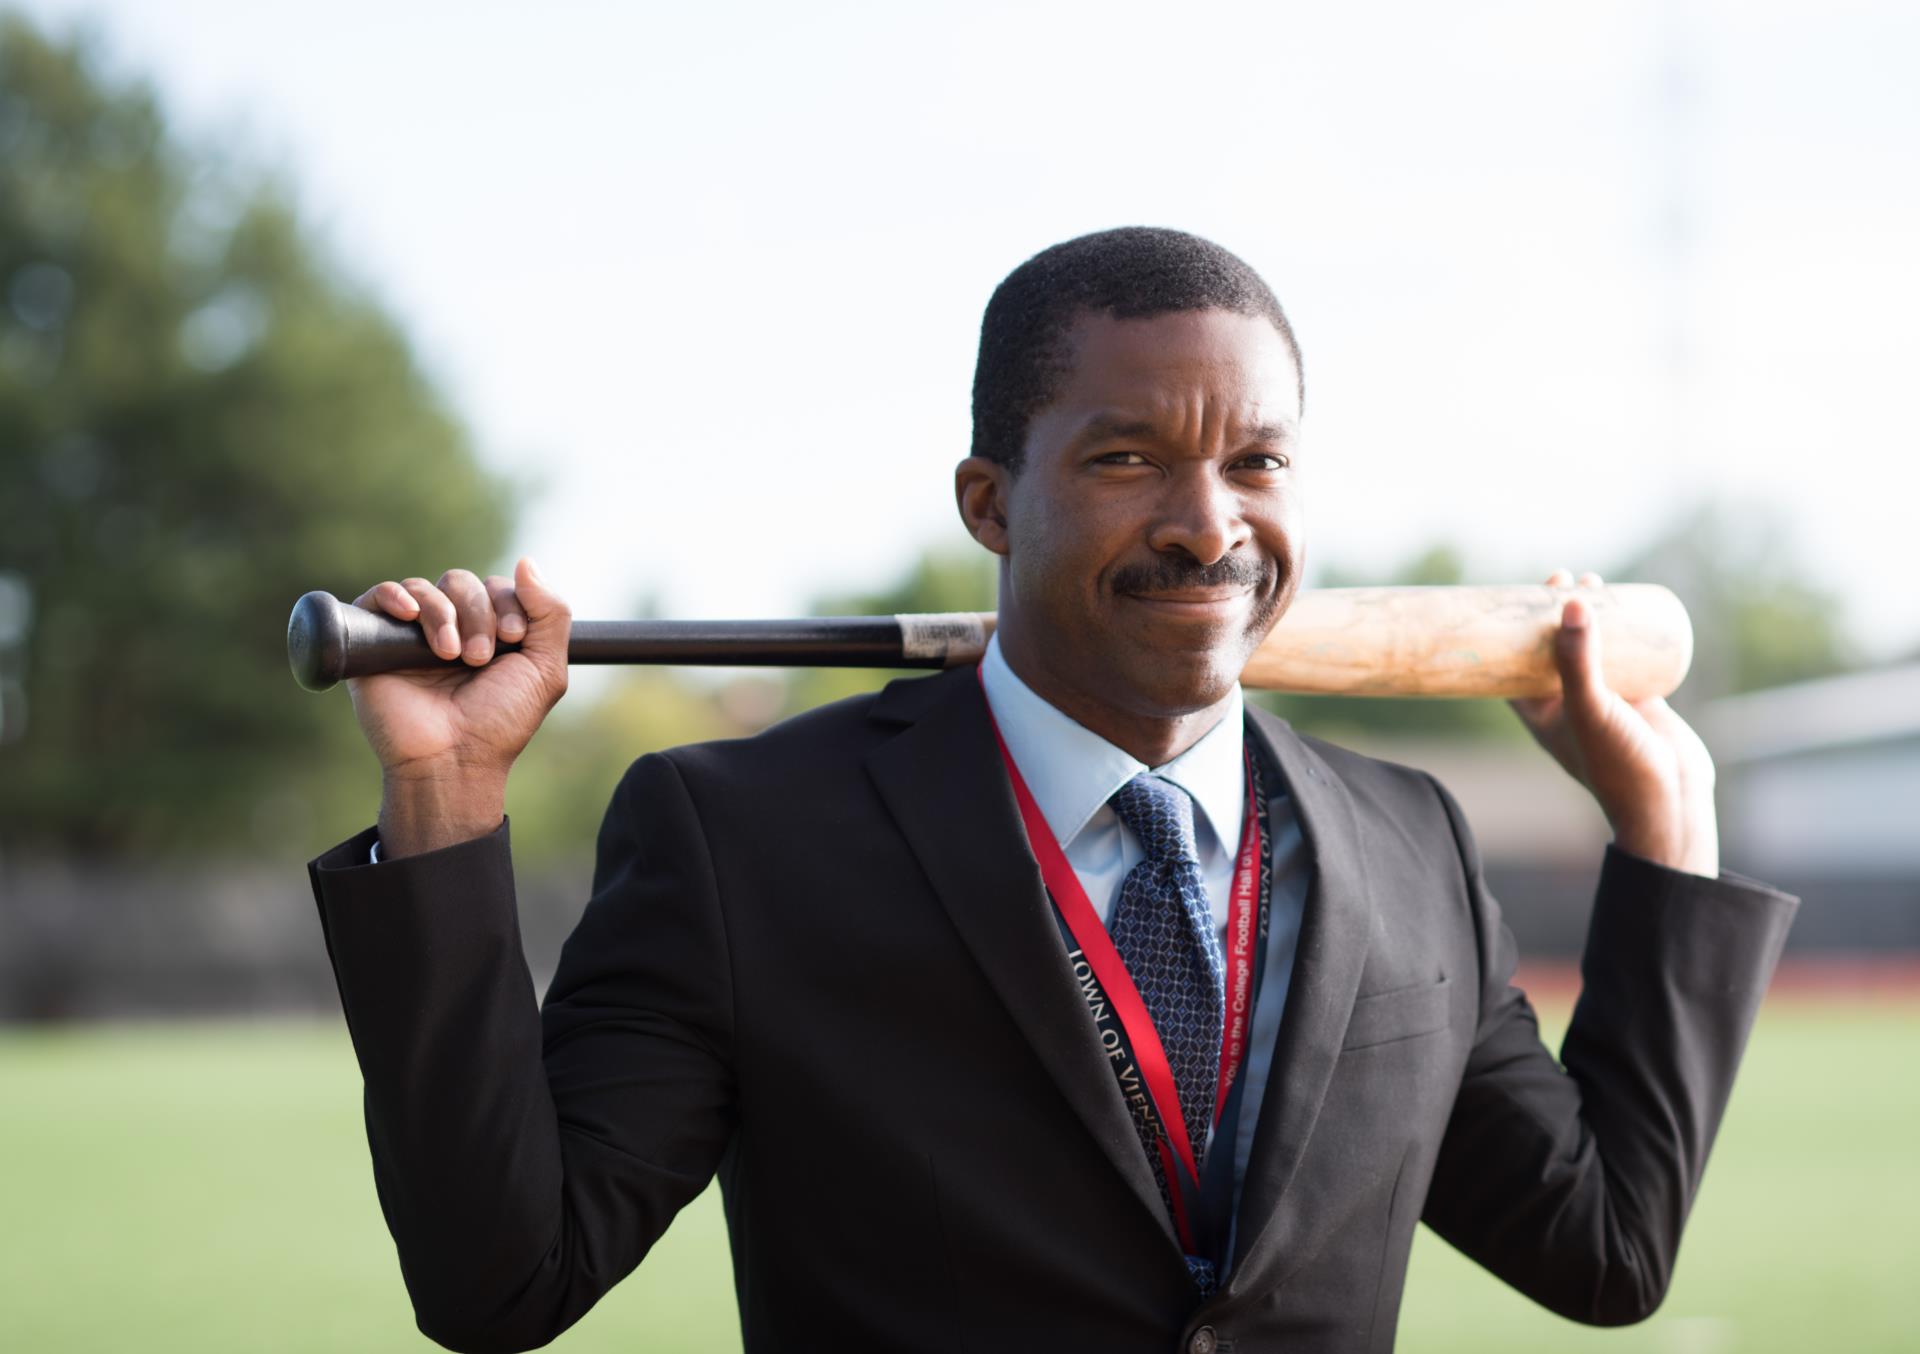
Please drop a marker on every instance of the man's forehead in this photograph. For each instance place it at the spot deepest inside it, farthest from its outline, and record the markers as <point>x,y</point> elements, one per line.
<point>1149,365</point>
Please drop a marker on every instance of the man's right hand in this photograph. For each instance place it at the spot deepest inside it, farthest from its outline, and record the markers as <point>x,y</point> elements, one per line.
<point>447,737</point>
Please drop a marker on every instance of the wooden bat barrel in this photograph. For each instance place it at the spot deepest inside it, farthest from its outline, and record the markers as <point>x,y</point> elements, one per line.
<point>1469,641</point>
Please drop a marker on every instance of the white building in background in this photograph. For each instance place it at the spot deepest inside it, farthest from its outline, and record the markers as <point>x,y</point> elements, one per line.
<point>1822,778</point>
<point>1818,791</point>
<point>1820,794</point>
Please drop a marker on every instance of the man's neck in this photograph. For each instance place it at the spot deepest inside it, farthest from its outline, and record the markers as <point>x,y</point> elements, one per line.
<point>1153,740</point>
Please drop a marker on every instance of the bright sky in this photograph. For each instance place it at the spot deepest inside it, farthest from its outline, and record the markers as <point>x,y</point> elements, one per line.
<point>712,274</point>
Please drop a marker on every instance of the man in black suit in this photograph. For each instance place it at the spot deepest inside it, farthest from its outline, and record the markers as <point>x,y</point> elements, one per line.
<point>1059,1005</point>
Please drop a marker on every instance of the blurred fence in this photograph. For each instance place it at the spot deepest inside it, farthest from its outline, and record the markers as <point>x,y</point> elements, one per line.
<point>83,941</point>
<point>97,942</point>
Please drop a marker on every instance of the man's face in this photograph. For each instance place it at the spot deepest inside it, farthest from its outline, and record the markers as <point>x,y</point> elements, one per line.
<point>1152,535</point>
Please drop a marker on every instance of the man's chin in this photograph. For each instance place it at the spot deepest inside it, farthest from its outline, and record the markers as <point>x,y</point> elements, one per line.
<point>1181,679</point>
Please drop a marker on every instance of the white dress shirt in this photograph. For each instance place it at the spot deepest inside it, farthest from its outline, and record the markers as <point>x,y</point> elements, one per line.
<point>1073,771</point>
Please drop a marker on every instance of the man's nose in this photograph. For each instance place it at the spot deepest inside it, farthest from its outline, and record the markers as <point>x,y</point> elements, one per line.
<point>1200,514</point>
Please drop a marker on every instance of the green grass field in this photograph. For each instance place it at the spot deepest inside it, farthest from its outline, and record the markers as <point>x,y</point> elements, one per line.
<point>205,1188</point>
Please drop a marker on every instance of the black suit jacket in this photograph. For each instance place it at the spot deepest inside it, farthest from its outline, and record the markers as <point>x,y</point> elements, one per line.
<point>821,963</point>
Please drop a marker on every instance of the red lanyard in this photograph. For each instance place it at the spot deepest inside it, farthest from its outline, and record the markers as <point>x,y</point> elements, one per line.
<point>1242,942</point>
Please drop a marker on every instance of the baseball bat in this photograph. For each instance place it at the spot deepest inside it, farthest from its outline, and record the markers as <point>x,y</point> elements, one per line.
<point>1390,641</point>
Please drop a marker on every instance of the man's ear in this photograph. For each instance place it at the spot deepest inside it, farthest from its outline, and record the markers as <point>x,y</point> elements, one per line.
<point>980,489</point>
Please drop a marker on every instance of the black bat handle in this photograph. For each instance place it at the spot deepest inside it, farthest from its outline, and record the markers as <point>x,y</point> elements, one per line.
<point>328,640</point>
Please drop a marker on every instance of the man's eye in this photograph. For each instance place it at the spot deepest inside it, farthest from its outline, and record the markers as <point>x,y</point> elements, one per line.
<point>1121,458</point>
<point>1267,460</point>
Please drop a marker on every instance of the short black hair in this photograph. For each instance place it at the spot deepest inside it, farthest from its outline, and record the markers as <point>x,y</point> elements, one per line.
<point>1131,273</point>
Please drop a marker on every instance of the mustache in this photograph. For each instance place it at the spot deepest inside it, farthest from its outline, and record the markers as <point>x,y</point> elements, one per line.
<point>1169,573</point>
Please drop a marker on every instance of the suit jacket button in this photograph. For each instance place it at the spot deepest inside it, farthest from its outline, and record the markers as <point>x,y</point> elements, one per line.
<point>1203,1341</point>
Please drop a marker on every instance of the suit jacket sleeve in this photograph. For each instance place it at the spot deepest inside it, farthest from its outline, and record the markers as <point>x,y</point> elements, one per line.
<point>1573,1185</point>
<point>525,1159</point>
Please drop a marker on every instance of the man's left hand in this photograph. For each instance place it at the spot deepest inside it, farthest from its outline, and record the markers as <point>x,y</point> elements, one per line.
<point>1650,773</point>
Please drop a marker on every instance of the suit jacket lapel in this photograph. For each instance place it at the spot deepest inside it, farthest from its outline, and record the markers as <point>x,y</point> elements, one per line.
<point>944,784</point>
<point>1334,934</point>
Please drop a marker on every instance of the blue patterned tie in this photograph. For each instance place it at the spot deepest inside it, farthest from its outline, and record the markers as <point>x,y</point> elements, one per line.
<point>1162,926</point>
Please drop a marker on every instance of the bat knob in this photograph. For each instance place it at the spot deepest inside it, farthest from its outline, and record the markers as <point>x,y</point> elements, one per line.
<point>317,641</point>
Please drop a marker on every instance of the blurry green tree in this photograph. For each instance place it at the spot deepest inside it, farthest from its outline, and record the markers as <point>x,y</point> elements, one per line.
<point>1759,619</point>
<point>562,783</point>
<point>199,420</point>
<point>958,577</point>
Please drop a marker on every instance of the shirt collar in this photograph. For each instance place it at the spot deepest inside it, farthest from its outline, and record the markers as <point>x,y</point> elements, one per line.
<point>1073,771</point>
